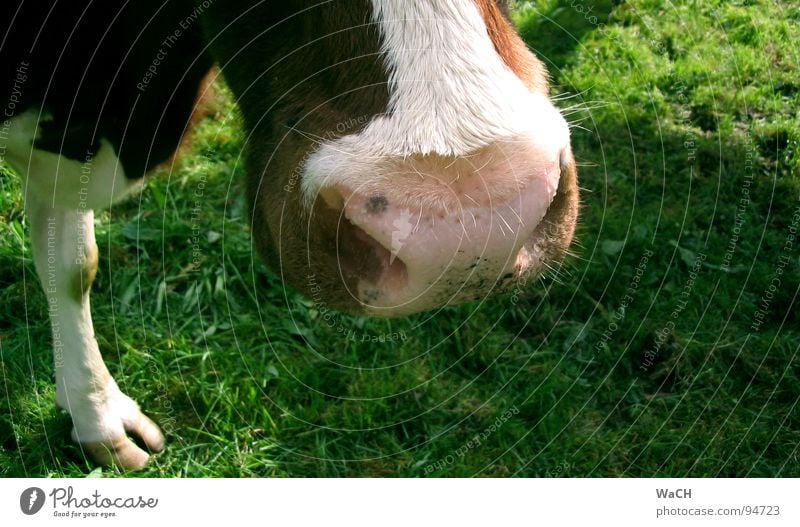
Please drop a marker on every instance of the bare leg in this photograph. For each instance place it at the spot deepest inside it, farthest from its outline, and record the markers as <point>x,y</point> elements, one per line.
<point>59,196</point>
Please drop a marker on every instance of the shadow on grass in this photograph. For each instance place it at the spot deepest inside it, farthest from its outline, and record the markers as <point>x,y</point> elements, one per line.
<point>39,450</point>
<point>555,31</point>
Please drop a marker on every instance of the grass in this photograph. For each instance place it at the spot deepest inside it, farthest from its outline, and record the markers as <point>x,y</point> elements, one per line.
<point>687,130</point>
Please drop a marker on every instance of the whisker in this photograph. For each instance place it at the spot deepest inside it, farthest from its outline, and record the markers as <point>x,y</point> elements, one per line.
<point>567,95</point>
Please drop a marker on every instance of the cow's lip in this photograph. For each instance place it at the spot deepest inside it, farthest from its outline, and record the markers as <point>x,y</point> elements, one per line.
<point>530,253</point>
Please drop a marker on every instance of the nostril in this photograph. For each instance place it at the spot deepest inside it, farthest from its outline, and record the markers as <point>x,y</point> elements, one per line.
<point>361,256</point>
<point>377,204</point>
<point>358,256</point>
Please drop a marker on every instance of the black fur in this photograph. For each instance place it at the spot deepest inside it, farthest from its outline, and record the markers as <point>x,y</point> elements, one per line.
<point>85,62</point>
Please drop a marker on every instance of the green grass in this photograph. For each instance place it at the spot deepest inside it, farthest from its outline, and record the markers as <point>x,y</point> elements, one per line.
<point>677,107</point>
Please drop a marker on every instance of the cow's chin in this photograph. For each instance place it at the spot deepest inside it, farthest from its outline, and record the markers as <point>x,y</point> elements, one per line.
<point>338,265</point>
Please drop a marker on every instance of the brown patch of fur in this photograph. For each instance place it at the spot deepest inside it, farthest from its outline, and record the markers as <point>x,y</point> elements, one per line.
<point>85,277</point>
<point>207,103</point>
<point>292,96</point>
<point>512,49</point>
<point>562,215</point>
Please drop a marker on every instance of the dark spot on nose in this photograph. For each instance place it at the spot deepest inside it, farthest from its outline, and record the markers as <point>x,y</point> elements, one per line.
<point>291,121</point>
<point>377,204</point>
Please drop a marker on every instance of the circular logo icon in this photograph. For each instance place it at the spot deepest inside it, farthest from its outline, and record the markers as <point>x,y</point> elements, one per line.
<point>31,500</point>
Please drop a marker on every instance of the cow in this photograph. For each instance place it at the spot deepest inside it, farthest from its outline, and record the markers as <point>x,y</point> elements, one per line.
<point>401,155</point>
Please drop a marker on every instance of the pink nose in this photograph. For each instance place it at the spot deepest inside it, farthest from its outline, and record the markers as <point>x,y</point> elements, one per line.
<point>431,230</point>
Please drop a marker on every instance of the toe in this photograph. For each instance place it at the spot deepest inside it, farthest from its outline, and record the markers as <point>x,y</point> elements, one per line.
<point>121,452</point>
<point>146,430</point>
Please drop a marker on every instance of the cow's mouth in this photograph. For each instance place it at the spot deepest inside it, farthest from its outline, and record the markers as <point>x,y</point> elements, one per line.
<point>436,237</point>
<point>382,282</point>
<point>360,257</point>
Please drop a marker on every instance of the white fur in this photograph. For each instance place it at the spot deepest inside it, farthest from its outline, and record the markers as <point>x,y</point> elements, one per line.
<point>59,197</point>
<point>450,92</point>
<point>94,182</point>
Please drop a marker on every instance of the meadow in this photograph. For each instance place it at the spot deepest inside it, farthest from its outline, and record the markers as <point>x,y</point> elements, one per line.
<point>665,345</point>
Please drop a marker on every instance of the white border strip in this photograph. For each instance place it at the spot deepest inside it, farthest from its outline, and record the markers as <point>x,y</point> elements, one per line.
<point>403,502</point>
